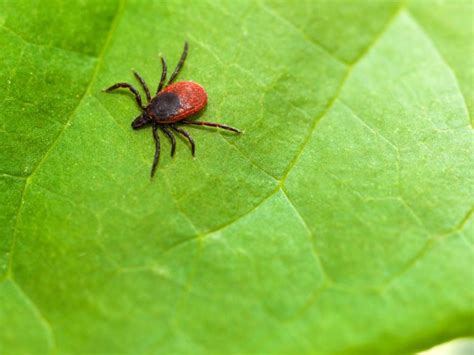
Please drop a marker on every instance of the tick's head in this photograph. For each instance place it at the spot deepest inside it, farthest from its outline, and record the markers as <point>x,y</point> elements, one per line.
<point>141,121</point>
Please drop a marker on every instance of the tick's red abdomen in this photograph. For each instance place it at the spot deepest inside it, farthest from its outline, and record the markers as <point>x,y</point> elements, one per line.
<point>192,99</point>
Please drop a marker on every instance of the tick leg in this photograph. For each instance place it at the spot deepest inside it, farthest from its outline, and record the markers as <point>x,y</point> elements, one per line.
<point>188,137</point>
<point>144,85</point>
<point>180,63</point>
<point>172,139</point>
<point>212,124</point>
<point>156,137</point>
<point>164,69</point>
<point>134,91</point>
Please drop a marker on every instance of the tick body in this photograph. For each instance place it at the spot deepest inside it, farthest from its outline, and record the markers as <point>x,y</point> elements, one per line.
<point>170,108</point>
<point>177,101</point>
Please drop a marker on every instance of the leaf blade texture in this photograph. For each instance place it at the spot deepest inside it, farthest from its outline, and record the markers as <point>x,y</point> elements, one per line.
<point>342,216</point>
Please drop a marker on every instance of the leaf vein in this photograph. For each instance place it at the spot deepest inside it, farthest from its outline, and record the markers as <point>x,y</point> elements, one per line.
<point>29,178</point>
<point>443,59</point>
<point>338,92</point>
<point>37,313</point>
<point>66,125</point>
<point>29,43</point>
<point>202,236</point>
<point>300,32</point>
<point>457,228</point>
<point>311,235</point>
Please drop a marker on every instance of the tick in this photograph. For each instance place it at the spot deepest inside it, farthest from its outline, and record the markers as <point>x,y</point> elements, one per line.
<point>171,107</point>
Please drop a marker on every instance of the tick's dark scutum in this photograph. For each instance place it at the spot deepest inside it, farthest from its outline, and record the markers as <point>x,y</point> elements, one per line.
<point>165,105</point>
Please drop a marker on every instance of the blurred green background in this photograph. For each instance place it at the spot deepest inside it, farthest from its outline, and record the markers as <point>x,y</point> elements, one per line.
<point>339,222</point>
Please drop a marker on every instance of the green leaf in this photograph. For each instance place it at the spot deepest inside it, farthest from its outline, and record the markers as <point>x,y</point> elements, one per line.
<point>341,221</point>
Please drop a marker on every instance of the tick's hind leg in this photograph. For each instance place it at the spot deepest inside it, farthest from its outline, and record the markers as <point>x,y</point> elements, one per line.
<point>187,136</point>
<point>144,85</point>
<point>180,63</point>
<point>134,91</point>
<point>212,124</point>
<point>156,137</point>
<point>172,139</point>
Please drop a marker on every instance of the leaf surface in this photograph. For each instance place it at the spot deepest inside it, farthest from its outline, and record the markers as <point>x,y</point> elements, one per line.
<point>340,221</point>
